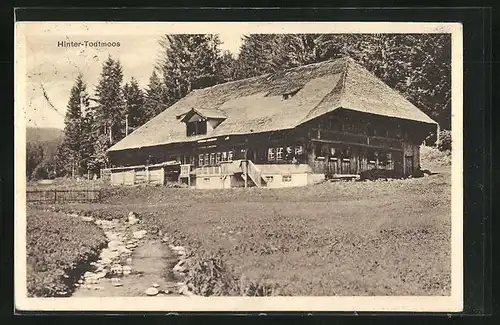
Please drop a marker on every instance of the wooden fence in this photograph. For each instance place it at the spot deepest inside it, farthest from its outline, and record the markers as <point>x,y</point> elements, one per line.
<point>63,196</point>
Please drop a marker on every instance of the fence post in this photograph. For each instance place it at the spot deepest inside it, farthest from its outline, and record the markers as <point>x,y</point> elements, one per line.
<point>55,195</point>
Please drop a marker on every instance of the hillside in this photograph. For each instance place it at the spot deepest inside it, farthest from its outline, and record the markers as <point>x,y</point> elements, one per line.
<point>40,135</point>
<point>41,146</point>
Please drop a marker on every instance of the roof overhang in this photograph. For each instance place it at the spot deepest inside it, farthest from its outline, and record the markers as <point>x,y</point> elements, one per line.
<point>206,114</point>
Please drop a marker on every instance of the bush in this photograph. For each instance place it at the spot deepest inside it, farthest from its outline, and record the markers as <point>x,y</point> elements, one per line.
<point>444,140</point>
<point>373,174</point>
<point>212,277</point>
<point>430,157</point>
<point>58,249</point>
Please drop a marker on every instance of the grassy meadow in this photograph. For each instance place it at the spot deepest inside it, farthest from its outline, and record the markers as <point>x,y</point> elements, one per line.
<point>344,238</point>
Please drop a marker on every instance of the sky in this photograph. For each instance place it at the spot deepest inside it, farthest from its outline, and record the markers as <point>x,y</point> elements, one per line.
<point>54,69</point>
<point>42,65</point>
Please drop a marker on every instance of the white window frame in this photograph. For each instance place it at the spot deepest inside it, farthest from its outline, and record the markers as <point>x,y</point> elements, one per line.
<point>286,178</point>
<point>279,153</point>
<point>230,155</point>
<point>212,158</point>
<point>269,179</point>
<point>224,156</point>
<point>207,158</point>
<point>217,158</point>
<point>271,154</point>
<point>200,159</point>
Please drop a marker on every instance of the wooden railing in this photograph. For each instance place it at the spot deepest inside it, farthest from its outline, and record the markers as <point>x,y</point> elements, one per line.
<point>361,139</point>
<point>209,170</point>
<point>253,172</point>
<point>225,168</point>
<point>63,196</point>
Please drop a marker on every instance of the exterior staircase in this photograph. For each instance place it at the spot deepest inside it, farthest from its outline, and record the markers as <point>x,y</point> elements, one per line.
<point>254,174</point>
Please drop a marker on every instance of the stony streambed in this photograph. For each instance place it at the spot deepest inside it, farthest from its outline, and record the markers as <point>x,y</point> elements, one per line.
<point>134,263</point>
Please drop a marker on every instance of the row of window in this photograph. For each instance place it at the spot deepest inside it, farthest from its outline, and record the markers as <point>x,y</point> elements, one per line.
<point>381,157</point>
<point>284,178</point>
<point>283,153</point>
<point>357,128</point>
<point>334,153</point>
<point>215,158</point>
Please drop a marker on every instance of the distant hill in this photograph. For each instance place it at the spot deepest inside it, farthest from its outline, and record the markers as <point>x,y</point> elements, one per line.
<point>43,135</point>
<point>48,138</point>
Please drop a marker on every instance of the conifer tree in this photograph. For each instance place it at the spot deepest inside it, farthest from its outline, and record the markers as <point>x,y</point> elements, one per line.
<point>134,104</point>
<point>110,110</point>
<point>257,54</point>
<point>227,67</point>
<point>154,98</point>
<point>107,118</point>
<point>189,62</point>
<point>74,136</point>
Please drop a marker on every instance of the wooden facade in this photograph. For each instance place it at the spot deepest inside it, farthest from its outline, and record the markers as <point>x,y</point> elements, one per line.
<point>339,143</point>
<point>330,119</point>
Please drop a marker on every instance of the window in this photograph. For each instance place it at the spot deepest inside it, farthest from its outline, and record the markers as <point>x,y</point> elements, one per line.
<point>298,150</point>
<point>271,154</point>
<point>230,156</point>
<point>192,160</point>
<point>279,153</point>
<point>286,178</point>
<point>212,158</point>
<point>207,159</point>
<point>206,179</point>
<point>269,179</point>
<point>224,156</point>
<point>217,158</point>
<point>385,158</point>
<point>200,160</point>
<point>334,153</point>
<point>372,156</point>
<point>290,94</point>
<point>347,126</point>
<point>346,152</point>
<point>319,152</point>
<point>196,127</point>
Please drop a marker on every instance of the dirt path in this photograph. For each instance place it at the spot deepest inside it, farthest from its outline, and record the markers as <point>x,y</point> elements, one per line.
<point>130,265</point>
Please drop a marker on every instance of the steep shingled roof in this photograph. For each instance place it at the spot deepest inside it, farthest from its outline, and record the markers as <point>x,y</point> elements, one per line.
<point>256,104</point>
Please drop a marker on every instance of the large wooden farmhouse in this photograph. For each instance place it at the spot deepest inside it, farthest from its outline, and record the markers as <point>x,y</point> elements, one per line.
<point>290,128</point>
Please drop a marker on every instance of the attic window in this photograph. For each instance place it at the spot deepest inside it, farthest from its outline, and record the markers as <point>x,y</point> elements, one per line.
<point>196,127</point>
<point>290,94</point>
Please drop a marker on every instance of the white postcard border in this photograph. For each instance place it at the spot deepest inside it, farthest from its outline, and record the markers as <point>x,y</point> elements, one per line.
<point>452,303</point>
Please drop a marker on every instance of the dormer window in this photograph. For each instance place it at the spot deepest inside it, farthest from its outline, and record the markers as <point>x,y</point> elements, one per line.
<point>196,128</point>
<point>201,121</point>
<point>290,94</point>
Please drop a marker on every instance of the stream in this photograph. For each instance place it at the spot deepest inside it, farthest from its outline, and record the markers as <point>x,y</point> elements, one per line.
<point>133,264</point>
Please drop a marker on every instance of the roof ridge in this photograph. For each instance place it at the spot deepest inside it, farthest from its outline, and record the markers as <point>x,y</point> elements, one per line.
<point>348,62</point>
<point>347,58</point>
